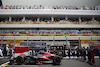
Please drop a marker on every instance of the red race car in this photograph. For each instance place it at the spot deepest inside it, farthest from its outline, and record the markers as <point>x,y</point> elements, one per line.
<point>40,58</point>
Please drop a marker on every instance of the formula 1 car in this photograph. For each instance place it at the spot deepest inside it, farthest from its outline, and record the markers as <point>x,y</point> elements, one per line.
<point>40,58</point>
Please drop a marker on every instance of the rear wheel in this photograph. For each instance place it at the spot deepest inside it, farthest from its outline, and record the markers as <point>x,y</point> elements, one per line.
<point>19,60</point>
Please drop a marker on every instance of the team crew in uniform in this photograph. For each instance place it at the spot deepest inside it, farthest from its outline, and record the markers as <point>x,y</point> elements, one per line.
<point>81,52</point>
<point>77,50</point>
<point>92,55</point>
<point>73,53</point>
<point>89,55</point>
<point>1,53</point>
<point>84,53</point>
<point>69,52</point>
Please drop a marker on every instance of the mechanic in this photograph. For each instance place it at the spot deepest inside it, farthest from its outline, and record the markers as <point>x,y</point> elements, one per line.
<point>37,52</point>
<point>33,52</point>
<point>77,50</point>
<point>84,53</point>
<point>10,52</point>
<point>48,48</point>
<point>69,52</point>
<point>92,55</point>
<point>1,53</point>
<point>73,53</point>
<point>89,54</point>
<point>54,49</point>
<point>5,51</point>
<point>81,52</point>
<point>99,52</point>
<point>45,50</point>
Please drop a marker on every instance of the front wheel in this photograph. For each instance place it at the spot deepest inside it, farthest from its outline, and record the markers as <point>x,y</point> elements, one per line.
<point>56,60</point>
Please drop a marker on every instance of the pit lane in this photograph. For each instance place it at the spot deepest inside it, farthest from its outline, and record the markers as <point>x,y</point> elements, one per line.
<point>64,63</point>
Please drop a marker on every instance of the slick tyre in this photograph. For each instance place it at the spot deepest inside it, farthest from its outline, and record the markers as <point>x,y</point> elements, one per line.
<point>19,60</point>
<point>56,60</point>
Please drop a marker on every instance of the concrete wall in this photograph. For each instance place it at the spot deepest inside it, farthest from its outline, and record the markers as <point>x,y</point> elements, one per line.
<point>52,2</point>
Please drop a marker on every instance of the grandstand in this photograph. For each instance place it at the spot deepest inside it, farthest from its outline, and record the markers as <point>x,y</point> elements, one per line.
<point>57,22</point>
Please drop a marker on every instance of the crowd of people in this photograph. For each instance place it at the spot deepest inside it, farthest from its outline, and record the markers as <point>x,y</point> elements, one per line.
<point>48,20</point>
<point>5,51</point>
<point>47,31</point>
<point>81,54</point>
<point>50,7</point>
<point>84,54</point>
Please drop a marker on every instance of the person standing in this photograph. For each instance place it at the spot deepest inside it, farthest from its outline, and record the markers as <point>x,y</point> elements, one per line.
<point>1,53</point>
<point>69,53</point>
<point>33,52</point>
<point>10,52</point>
<point>99,52</point>
<point>37,52</point>
<point>5,51</point>
<point>73,53</point>
<point>45,50</point>
<point>77,50</point>
<point>88,55</point>
<point>81,52</point>
<point>92,55</point>
<point>48,48</point>
<point>84,53</point>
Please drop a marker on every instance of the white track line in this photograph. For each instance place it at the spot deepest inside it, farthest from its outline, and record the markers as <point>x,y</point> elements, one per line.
<point>5,64</point>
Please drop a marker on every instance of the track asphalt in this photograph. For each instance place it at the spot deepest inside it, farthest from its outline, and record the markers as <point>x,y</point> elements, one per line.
<point>65,63</point>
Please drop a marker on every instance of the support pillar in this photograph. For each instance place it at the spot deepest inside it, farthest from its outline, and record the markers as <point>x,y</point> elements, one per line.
<point>1,41</point>
<point>91,40</point>
<point>66,43</point>
<point>52,19</point>
<point>53,40</point>
<point>10,19</point>
<point>80,19</point>
<point>66,18</point>
<point>27,41</point>
<point>14,42</point>
<point>38,19</point>
<point>23,19</point>
<point>79,43</point>
<point>93,19</point>
<point>40,42</point>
